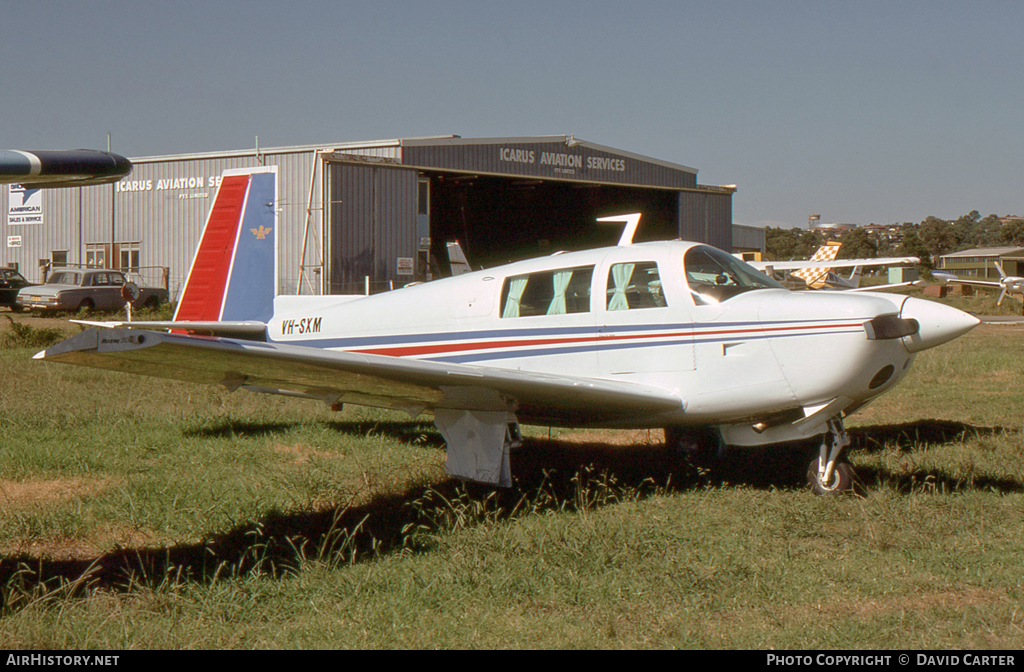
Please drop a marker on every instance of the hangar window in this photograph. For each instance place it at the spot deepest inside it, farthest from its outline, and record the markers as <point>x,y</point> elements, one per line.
<point>95,255</point>
<point>635,285</point>
<point>715,276</point>
<point>557,292</point>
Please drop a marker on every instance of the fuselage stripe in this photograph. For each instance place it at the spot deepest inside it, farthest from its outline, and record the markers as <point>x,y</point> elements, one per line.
<point>604,340</point>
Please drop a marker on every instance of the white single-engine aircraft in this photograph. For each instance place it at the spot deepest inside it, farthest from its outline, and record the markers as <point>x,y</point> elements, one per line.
<point>1007,284</point>
<point>675,334</point>
<point>61,168</point>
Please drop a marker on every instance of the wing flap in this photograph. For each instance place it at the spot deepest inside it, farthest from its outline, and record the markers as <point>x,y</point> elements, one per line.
<point>238,328</point>
<point>373,380</point>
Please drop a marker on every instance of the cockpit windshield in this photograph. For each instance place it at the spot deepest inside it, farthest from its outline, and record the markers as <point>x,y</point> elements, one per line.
<point>715,276</point>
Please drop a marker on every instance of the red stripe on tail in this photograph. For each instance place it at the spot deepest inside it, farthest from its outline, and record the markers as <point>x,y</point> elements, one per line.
<point>203,296</point>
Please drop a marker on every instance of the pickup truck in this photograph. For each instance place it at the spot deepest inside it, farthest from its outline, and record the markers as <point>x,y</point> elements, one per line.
<point>92,289</point>
<point>11,282</point>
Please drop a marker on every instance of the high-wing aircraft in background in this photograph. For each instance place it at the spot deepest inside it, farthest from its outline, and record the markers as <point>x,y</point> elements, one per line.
<point>1007,284</point>
<point>61,168</point>
<point>676,334</point>
<point>820,271</point>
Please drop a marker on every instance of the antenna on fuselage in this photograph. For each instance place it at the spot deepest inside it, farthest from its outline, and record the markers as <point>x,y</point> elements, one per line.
<point>631,221</point>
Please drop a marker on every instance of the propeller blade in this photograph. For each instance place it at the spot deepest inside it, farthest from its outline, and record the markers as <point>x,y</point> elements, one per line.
<point>999,267</point>
<point>1002,294</point>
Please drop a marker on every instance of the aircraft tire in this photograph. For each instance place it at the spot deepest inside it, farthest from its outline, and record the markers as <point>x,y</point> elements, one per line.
<point>844,480</point>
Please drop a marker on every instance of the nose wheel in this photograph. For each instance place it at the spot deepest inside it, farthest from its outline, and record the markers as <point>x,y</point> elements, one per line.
<point>826,474</point>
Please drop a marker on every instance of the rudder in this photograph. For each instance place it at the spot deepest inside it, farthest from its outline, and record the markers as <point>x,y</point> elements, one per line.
<point>234,270</point>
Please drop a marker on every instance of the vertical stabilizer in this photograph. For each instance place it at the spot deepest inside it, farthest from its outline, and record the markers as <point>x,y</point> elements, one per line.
<point>234,271</point>
<point>457,259</point>
<point>816,277</point>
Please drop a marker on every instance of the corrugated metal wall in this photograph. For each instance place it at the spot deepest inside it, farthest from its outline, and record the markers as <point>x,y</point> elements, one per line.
<point>372,222</point>
<point>748,238</point>
<point>71,216</point>
<point>162,208</point>
<point>706,217</point>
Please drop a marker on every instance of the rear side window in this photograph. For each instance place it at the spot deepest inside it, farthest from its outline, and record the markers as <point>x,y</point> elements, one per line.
<point>558,292</point>
<point>634,285</point>
<point>64,279</point>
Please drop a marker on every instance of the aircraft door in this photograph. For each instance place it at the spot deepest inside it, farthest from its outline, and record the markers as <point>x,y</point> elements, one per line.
<point>640,333</point>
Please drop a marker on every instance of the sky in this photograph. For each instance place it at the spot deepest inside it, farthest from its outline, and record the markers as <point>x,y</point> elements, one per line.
<point>859,111</point>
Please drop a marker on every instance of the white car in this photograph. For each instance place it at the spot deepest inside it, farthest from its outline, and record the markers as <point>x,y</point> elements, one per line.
<point>94,289</point>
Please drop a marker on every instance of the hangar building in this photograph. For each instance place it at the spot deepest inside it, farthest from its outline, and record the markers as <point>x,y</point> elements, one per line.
<point>377,214</point>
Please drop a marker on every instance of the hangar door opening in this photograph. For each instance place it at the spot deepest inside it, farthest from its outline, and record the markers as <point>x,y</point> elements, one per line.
<point>372,227</point>
<point>498,219</point>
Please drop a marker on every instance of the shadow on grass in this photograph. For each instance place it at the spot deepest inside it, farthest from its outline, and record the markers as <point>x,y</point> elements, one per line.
<point>921,435</point>
<point>421,433</point>
<point>549,475</point>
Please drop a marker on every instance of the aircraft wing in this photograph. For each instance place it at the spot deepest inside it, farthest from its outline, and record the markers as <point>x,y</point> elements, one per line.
<point>947,278</point>
<point>375,380</point>
<point>835,263</point>
<point>895,285</point>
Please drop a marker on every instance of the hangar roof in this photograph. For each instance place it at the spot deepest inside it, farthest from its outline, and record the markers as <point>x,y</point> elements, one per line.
<point>984,252</point>
<point>437,140</point>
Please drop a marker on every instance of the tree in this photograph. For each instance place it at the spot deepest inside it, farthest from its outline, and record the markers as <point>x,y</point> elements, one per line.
<point>857,244</point>
<point>989,232</point>
<point>937,235</point>
<point>782,245</point>
<point>1012,233</point>
<point>808,244</point>
<point>913,246</point>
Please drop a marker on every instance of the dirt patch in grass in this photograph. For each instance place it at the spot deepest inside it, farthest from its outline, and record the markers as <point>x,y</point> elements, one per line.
<point>844,607</point>
<point>18,496</point>
<point>99,541</point>
<point>30,498</point>
<point>300,454</point>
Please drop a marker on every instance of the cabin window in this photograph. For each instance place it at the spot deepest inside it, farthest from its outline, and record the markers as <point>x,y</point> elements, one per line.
<point>715,276</point>
<point>557,292</point>
<point>634,285</point>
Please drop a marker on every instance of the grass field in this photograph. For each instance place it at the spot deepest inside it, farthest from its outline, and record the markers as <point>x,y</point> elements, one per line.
<point>137,513</point>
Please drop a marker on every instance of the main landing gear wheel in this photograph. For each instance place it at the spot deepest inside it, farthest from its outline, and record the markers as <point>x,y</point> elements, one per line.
<point>826,474</point>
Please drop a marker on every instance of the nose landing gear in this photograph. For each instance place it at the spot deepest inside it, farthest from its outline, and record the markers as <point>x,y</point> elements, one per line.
<point>827,475</point>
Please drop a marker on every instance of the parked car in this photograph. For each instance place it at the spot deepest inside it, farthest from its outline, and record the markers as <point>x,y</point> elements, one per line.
<point>10,283</point>
<point>94,289</point>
